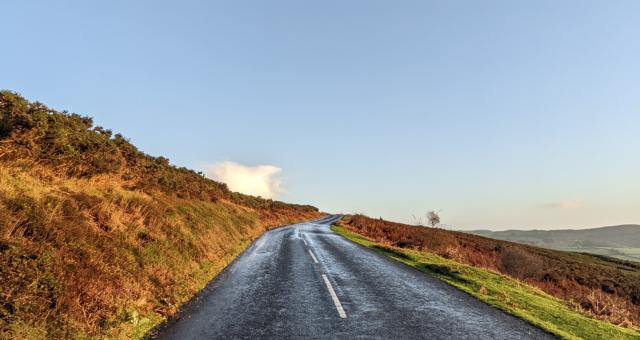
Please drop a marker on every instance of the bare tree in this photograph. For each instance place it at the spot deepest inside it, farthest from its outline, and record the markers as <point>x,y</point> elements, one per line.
<point>417,220</point>
<point>433,218</point>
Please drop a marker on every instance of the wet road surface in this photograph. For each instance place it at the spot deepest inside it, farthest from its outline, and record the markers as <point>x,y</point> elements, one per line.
<point>304,281</point>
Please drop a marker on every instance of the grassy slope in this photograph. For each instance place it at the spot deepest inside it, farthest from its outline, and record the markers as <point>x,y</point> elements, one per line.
<point>98,239</point>
<point>70,278</point>
<point>600,287</point>
<point>503,292</point>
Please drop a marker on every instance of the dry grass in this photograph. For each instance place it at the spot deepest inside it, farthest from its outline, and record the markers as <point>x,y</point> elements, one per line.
<point>603,306</point>
<point>504,292</point>
<point>99,239</point>
<point>87,257</point>
<point>603,288</point>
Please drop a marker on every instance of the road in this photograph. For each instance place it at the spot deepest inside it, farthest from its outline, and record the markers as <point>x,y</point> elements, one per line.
<point>304,281</point>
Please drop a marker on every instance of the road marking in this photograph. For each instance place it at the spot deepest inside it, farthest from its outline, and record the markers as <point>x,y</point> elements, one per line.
<point>313,256</point>
<point>336,301</point>
<point>305,242</point>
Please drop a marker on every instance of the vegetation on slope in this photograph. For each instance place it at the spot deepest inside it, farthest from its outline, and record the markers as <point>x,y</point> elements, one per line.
<point>100,239</point>
<point>503,292</point>
<point>600,287</point>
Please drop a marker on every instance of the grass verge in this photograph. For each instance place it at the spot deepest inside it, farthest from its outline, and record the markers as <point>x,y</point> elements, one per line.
<point>90,259</point>
<point>502,292</point>
<point>139,329</point>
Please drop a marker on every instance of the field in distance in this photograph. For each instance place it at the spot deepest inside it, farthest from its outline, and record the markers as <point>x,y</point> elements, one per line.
<point>622,241</point>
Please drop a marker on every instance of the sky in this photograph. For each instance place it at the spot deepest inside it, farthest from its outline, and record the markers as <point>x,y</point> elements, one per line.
<point>497,114</point>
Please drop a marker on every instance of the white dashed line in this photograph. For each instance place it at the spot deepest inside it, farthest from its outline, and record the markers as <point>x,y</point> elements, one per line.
<point>334,297</point>
<point>313,256</point>
<point>336,301</point>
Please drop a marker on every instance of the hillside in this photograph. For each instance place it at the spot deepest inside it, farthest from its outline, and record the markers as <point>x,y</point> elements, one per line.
<point>621,241</point>
<point>600,287</point>
<point>98,238</point>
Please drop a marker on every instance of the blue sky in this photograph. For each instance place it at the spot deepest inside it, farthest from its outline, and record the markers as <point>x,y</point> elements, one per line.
<point>498,113</point>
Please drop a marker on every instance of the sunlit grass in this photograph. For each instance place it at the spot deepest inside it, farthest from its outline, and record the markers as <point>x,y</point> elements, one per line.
<point>503,292</point>
<point>99,239</point>
<point>101,260</point>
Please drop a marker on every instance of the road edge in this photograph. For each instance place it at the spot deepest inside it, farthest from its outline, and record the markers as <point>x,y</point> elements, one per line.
<point>398,260</point>
<point>208,288</point>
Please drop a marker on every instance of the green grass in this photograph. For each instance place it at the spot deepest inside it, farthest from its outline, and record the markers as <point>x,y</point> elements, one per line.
<point>502,292</point>
<point>202,278</point>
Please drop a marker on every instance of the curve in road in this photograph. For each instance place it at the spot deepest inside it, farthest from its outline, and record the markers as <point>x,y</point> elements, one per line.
<point>304,281</point>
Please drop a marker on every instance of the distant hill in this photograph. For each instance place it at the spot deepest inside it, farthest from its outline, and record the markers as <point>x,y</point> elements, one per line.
<point>614,236</point>
<point>622,241</point>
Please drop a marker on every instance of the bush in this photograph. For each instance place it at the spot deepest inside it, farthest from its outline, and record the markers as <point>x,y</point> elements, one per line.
<point>521,264</point>
<point>71,145</point>
<point>605,307</point>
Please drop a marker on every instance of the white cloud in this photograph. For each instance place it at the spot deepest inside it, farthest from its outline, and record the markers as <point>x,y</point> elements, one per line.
<point>567,204</point>
<point>260,180</point>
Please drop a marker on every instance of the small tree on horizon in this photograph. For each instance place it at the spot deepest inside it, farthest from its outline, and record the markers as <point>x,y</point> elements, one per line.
<point>417,220</point>
<point>433,218</point>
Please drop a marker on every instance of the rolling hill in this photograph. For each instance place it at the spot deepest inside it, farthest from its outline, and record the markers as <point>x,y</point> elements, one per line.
<point>98,239</point>
<point>622,241</point>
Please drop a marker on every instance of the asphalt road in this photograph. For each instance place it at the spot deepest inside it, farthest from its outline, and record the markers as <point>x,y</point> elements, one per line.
<point>304,281</point>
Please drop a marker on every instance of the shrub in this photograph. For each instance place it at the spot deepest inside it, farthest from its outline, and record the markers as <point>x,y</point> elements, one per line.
<point>68,145</point>
<point>453,253</point>
<point>521,264</point>
<point>606,307</point>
